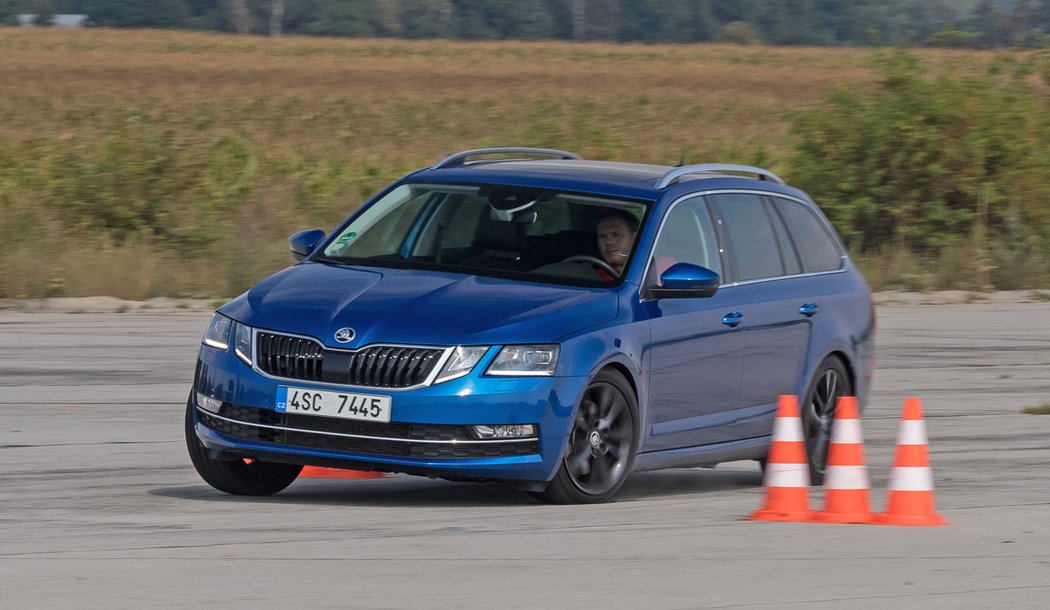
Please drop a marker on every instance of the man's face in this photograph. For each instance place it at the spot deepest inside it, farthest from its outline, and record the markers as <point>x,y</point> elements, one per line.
<point>615,239</point>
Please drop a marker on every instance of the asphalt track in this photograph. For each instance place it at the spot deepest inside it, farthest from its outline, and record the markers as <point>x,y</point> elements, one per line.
<point>100,508</point>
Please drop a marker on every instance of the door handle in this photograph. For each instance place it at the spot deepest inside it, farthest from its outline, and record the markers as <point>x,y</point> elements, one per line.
<point>809,309</point>
<point>733,319</point>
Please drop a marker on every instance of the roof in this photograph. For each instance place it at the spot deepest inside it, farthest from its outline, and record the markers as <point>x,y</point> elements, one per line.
<point>612,178</point>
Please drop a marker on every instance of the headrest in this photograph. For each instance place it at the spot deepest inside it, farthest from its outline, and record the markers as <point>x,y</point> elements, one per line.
<point>501,236</point>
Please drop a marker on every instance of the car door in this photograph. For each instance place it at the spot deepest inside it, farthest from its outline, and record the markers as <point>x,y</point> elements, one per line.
<point>764,271</point>
<point>694,358</point>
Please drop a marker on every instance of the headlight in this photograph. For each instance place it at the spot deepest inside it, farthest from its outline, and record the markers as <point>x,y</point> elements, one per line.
<point>242,343</point>
<point>218,333</point>
<point>461,362</point>
<point>526,360</point>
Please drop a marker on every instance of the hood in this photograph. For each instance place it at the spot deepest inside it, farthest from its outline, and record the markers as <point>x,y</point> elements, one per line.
<point>418,307</point>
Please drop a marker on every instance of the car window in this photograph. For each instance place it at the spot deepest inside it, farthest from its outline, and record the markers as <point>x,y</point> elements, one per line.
<point>377,234</point>
<point>500,230</point>
<point>815,245</point>
<point>687,236</point>
<point>788,253</point>
<point>752,242</point>
<point>552,216</point>
<point>461,225</point>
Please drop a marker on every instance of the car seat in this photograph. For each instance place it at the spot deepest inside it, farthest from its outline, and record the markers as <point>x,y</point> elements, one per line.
<point>502,245</point>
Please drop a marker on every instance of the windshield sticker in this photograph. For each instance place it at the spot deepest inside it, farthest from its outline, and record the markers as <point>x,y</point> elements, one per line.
<point>343,241</point>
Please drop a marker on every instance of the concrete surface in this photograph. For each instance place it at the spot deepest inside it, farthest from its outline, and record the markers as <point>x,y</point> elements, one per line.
<point>100,508</point>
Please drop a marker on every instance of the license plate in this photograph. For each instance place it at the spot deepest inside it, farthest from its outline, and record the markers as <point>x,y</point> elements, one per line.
<point>325,403</point>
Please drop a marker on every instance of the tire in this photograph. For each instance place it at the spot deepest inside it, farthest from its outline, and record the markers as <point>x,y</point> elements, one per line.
<point>830,383</point>
<point>237,477</point>
<point>602,444</point>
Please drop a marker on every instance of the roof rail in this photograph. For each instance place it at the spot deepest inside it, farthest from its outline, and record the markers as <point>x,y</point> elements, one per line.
<point>460,158</point>
<point>678,172</point>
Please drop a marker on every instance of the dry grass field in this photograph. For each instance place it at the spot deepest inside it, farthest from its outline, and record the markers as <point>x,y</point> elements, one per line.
<point>144,163</point>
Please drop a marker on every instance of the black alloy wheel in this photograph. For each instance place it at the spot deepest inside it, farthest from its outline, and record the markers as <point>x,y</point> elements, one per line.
<point>238,476</point>
<point>818,412</point>
<point>602,444</point>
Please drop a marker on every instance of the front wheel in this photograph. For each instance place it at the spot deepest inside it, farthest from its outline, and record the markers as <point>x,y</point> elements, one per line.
<point>602,444</point>
<point>818,411</point>
<point>238,477</point>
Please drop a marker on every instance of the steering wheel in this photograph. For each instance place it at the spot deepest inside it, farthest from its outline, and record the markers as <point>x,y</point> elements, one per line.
<point>594,260</point>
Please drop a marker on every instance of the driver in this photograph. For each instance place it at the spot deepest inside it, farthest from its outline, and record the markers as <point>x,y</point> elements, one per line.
<point>616,233</point>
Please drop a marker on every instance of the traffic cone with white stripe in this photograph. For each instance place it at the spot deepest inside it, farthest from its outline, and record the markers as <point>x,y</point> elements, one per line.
<point>846,481</point>
<point>787,471</point>
<point>910,499</point>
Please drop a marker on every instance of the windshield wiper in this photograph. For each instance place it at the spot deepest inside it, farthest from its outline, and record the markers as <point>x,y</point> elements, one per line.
<point>335,260</point>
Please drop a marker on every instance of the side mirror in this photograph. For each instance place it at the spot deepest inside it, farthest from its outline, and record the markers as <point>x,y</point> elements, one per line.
<point>304,242</point>
<point>686,281</point>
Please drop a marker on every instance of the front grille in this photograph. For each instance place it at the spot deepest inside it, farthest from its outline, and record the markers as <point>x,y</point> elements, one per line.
<point>381,366</point>
<point>292,357</point>
<point>398,439</point>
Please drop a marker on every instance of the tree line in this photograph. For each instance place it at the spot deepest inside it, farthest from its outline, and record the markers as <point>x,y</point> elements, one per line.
<point>957,23</point>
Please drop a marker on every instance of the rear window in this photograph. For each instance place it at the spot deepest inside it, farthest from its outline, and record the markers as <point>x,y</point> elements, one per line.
<point>816,247</point>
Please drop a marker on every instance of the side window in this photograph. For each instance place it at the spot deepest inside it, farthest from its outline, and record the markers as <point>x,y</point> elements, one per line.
<point>816,247</point>
<point>687,236</point>
<point>752,242</point>
<point>788,254</point>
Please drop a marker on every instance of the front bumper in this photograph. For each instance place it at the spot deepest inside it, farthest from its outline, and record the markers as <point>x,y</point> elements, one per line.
<point>428,433</point>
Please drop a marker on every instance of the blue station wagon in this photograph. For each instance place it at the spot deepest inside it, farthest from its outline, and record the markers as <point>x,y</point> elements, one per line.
<point>526,316</point>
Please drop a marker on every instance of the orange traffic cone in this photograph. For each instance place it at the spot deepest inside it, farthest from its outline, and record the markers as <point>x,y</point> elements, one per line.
<point>320,472</point>
<point>846,482</point>
<point>787,472</point>
<point>910,500</point>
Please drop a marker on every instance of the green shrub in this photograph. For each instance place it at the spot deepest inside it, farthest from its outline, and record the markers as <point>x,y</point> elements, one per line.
<point>920,164</point>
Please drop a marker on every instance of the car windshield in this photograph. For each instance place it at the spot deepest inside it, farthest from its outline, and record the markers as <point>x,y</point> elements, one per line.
<point>505,231</point>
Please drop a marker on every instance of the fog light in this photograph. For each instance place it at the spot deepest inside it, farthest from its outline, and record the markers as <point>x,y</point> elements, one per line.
<point>505,431</point>
<point>208,403</point>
